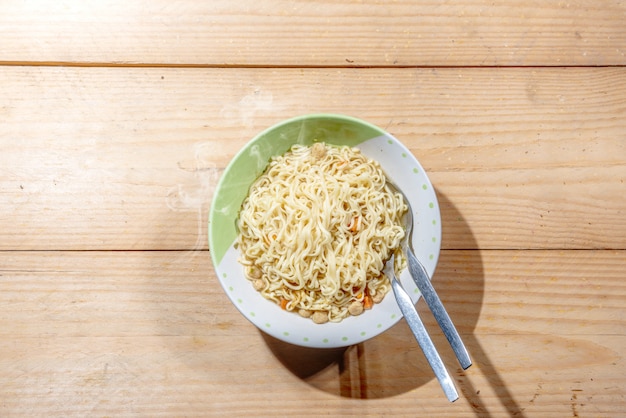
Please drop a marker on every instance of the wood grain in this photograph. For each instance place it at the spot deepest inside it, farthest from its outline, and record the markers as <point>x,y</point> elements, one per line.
<point>117,119</point>
<point>520,158</point>
<point>319,33</point>
<point>85,333</point>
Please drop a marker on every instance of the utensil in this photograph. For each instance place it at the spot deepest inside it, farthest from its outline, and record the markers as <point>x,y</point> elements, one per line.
<point>419,331</point>
<point>421,279</point>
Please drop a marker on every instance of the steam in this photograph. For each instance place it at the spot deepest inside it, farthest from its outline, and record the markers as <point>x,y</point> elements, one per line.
<point>196,195</point>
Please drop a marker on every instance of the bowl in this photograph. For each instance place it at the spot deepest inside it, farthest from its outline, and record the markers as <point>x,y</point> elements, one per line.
<point>399,165</point>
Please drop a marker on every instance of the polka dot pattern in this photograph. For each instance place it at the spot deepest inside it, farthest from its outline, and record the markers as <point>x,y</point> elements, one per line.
<point>290,327</point>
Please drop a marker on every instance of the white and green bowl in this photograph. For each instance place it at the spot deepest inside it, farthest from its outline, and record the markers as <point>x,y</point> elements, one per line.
<point>399,165</point>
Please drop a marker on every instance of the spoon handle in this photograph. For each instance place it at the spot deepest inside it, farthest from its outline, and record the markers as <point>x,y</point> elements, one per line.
<point>420,277</point>
<point>423,339</point>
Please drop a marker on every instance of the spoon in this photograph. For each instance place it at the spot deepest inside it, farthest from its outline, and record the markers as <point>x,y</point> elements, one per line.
<point>419,331</point>
<point>421,279</point>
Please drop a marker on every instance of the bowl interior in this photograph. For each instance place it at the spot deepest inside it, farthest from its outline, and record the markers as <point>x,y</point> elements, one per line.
<point>399,165</point>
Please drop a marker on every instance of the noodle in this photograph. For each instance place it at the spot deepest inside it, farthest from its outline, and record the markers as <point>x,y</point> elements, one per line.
<point>316,230</point>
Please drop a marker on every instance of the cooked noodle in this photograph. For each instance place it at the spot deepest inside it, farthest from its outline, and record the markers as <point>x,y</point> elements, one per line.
<point>316,230</point>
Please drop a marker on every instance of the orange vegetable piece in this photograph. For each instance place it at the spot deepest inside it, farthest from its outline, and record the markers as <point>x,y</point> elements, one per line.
<point>368,302</point>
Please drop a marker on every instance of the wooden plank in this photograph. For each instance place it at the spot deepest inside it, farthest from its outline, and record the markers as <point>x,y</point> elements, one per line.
<point>151,333</point>
<point>326,33</point>
<point>128,158</point>
<point>576,292</point>
<point>169,375</point>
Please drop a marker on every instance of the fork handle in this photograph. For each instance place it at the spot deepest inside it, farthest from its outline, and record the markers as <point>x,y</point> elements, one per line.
<point>420,277</point>
<point>423,339</point>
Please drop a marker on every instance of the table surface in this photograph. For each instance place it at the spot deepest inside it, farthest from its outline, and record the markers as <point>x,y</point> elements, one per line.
<point>118,118</point>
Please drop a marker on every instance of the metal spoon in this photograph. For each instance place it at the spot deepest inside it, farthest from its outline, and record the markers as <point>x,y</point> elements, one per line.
<point>421,279</point>
<point>417,327</point>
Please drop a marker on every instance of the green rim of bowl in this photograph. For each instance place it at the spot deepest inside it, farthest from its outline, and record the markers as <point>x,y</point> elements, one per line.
<point>249,163</point>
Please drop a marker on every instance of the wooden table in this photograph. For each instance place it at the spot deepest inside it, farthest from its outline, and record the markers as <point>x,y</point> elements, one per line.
<point>118,117</point>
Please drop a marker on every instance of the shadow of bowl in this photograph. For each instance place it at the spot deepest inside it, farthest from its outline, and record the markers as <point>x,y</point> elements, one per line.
<point>392,363</point>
